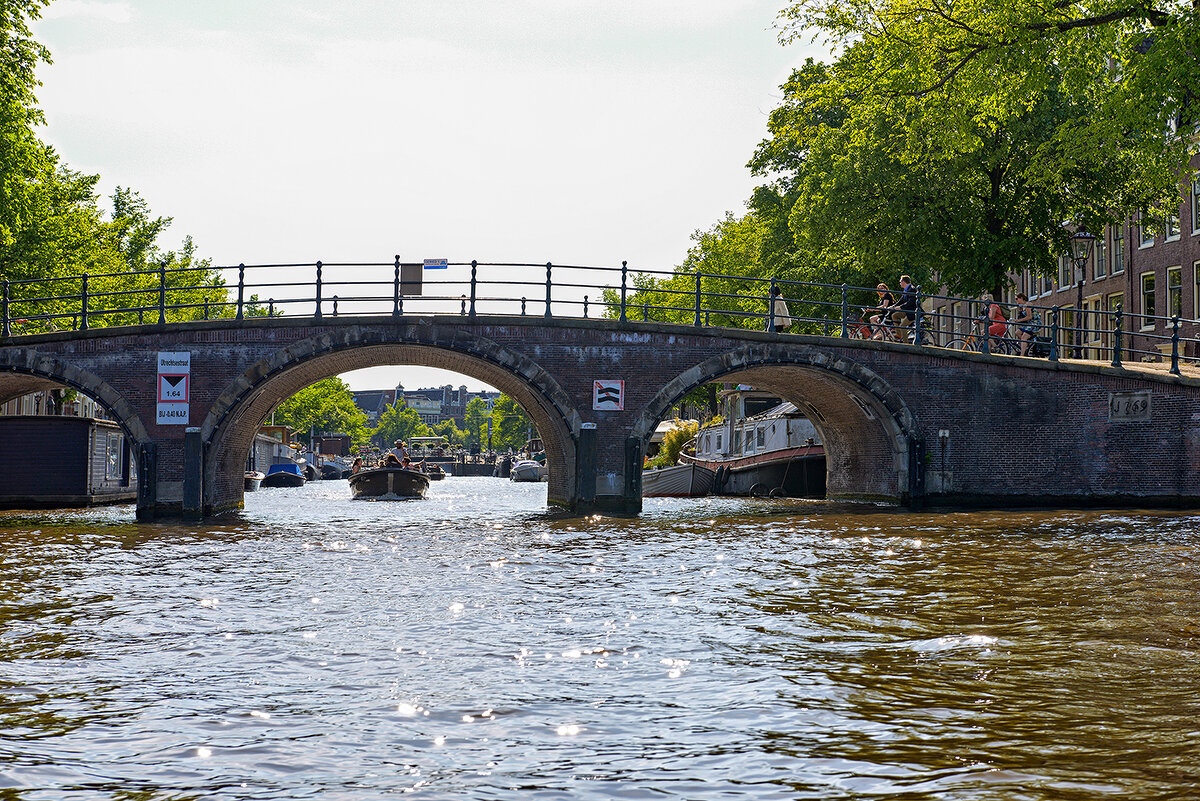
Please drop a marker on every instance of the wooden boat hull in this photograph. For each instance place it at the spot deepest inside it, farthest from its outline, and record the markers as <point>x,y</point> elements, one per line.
<point>792,472</point>
<point>681,481</point>
<point>388,483</point>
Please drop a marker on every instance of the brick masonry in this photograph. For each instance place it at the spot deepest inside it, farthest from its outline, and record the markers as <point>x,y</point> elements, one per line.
<point>900,423</point>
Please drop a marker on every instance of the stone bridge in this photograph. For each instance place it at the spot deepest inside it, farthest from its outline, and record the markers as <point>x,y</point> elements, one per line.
<point>901,423</point>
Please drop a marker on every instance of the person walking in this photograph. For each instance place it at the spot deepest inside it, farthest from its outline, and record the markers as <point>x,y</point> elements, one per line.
<point>779,310</point>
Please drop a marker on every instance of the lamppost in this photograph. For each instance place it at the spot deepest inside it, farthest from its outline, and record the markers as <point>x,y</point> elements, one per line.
<point>1081,248</point>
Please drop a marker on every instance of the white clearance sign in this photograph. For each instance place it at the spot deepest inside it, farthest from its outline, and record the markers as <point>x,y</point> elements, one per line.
<point>608,396</point>
<point>174,384</point>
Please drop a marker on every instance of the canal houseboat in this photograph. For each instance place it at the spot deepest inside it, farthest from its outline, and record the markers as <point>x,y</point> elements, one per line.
<point>761,446</point>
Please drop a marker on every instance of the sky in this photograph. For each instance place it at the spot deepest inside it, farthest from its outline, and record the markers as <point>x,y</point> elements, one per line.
<point>278,131</point>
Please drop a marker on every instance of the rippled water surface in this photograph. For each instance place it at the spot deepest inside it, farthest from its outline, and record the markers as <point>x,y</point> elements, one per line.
<point>472,646</point>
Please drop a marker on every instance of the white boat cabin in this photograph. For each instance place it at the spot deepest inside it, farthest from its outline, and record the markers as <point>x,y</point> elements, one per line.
<point>754,423</point>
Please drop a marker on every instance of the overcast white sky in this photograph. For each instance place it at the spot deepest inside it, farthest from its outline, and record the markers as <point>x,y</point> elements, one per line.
<point>526,131</point>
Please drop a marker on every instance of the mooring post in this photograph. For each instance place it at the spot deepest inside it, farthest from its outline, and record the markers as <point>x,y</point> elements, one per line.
<point>633,476</point>
<point>193,474</point>
<point>585,474</point>
<point>147,492</point>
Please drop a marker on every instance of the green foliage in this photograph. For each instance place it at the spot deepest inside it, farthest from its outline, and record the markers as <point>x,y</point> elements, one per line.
<point>673,441</point>
<point>324,407</point>
<point>53,231</point>
<point>510,425</point>
<point>953,142</point>
<point>450,430</point>
<point>475,419</point>
<point>398,422</point>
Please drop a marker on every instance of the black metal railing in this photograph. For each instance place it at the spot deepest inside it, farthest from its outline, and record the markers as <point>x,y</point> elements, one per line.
<point>169,295</point>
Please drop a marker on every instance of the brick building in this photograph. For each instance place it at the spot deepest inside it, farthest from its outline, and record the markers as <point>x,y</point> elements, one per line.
<point>1150,270</point>
<point>433,405</point>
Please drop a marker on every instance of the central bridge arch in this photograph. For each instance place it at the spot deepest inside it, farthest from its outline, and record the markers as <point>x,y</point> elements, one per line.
<point>242,407</point>
<point>868,431</point>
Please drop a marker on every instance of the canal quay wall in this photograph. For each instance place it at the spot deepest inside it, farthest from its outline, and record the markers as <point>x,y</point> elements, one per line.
<point>900,423</point>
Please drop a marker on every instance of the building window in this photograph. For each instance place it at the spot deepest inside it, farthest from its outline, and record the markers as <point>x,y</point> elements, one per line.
<point>1172,227</point>
<point>761,437</point>
<point>1196,206</point>
<point>1145,230</point>
<point>1047,284</point>
<point>1147,300</point>
<point>1118,249</point>
<point>1174,291</point>
<point>1100,258</point>
<point>1065,281</point>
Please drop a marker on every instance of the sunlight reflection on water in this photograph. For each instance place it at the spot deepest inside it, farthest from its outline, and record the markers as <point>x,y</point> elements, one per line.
<point>472,645</point>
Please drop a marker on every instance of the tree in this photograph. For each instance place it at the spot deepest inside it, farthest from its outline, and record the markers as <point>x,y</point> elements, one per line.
<point>510,425</point>
<point>962,137</point>
<point>324,407</point>
<point>398,422</point>
<point>450,430</point>
<point>475,419</point>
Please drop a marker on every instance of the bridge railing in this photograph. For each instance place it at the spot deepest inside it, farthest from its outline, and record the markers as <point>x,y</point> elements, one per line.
<point>402,289</point>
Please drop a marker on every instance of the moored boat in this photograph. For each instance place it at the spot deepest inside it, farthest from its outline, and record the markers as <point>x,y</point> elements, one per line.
<point>388,483</point>
<point>284,474</point>
<point>762,446</point>
<point>528,470</point>
<point>254,479</point>
<point>680,481</point>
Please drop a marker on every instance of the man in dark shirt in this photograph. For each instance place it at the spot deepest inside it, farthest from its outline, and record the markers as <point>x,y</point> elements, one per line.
<point>906,309</point>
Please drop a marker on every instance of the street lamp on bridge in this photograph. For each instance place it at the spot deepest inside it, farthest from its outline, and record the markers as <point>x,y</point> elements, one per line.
<point>1081,248</point>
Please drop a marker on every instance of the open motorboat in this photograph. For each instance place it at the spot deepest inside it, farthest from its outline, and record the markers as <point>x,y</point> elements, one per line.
<point>680,481</point>
<point>388,483</point>
<point>284,474</point>
<point>254,480</point>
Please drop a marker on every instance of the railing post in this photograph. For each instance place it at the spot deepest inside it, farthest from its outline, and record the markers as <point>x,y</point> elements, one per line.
<point>771,306</point>
<point>645,312</point>
<point>845,311</point>
<point>624,284</point>
<point>396,307</point>
<point>318,292</point>
<point>7,323</point>
<point>1175,344</point>
<point>918,320</point>
<point>986,350</point>
<point>547,315</point>
<point>1054,334</point>
<point>162,294</point>
<point>270,307</point>
<point>474,283</point>
<point>696,321</point>
<point>335,301</point>
<point>1116,362</point>
<point>241,289</point>
<point>585,307</point>
<point>83,298</point>
<point>522,305</point>
<point>462,305</point>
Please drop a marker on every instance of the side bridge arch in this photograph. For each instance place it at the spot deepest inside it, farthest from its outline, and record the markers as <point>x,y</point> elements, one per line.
<point>873,451</point>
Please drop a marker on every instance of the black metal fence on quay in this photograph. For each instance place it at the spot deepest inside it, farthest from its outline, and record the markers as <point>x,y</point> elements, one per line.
<point>169,295</point>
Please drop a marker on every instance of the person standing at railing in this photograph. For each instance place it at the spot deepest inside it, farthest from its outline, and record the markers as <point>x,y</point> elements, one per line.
<point>779,310</point>
<point>1026,327</point>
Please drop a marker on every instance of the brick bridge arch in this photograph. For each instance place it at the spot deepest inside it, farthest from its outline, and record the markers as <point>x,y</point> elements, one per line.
<point>25,370</point>
<point>242,407</point>
<point>867,428</point>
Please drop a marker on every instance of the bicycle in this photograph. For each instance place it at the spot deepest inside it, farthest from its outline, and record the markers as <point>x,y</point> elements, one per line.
<point>1000,346</point>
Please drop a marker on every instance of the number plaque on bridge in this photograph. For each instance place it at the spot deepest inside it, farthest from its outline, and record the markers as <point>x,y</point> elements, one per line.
<point>1129,407</point>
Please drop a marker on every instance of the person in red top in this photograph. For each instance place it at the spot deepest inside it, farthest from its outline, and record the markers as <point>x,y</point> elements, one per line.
<point>998,322</point>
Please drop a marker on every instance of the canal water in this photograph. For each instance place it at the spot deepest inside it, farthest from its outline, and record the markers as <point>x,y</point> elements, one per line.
<point>473,646</point>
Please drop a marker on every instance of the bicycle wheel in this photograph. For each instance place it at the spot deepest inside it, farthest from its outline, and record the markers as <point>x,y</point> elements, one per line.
<point>962,344</point>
